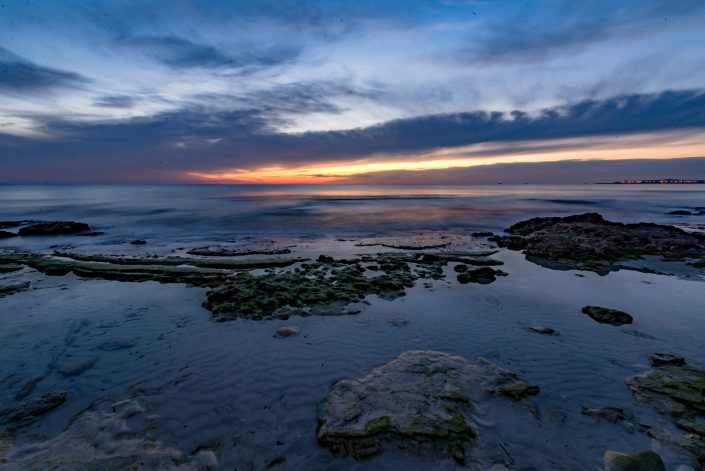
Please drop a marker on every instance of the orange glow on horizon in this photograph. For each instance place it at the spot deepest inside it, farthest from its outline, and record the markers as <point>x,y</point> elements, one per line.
<point>639,146</point>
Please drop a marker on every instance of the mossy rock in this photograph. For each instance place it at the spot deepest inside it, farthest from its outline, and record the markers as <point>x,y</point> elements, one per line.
<point>605,315</point>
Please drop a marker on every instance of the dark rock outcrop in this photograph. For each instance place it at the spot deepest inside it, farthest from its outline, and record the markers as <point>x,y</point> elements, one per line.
<point>589,241</point>
<point>33,408</point>
<point>7,234</point>
<point>605,315</point>
<point>54,228</point>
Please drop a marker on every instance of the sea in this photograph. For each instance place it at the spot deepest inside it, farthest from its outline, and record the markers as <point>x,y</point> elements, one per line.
<point>153,381</point>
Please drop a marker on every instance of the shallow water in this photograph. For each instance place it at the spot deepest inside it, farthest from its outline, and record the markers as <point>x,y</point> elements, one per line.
<point>237,384</point>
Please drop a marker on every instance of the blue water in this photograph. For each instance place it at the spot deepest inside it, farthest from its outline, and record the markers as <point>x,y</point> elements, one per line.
<point>171,212</point>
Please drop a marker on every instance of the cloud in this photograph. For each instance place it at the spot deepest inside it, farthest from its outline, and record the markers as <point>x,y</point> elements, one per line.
<point>178,52</point>
<point>528,36</point>
<point>20,75</point>
<point>199,138</point>
<point>115,101</point>
<point>563,172</point>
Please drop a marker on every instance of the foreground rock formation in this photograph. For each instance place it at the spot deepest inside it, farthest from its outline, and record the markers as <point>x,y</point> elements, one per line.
<point>590,242</point>
<point>676,390</point>
<point>420,403</point>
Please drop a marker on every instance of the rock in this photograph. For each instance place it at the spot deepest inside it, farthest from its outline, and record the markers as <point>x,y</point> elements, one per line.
<point>7,234</point>
<point>138,242</point>
<point>227,252</point>
<point>92,234</point>
<point>33,408</point>
<point>288,331</point>
<point>75,366</point>
<point>112,436</point>
<point>12,289</point>
<point>363,417</point>
<point>588,241</point>
<point>644,461</point>
<point>8,224</point>
<point>506,383</point>
<point>661,359</point>
<point>610,414</point>
<point>9,267</point>
<point>605,315</point>
<point>117,343</point>
<point>543,330</point>
<point>482,234</point>
<point>676,391</point>
<point>54,228</point>
<point>399,322</point>
<point>483,275</point>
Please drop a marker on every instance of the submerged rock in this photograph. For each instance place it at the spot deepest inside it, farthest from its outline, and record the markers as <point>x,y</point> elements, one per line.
<point>228,252</point>
<point>7,234</point>
<point>288,331</point>
<point>33,408</point>
<point>543,330</point>
<point>605,315</point>
<point>644,461</point>
<point>118,343</point>
<point>506,383</point>
<point>75,366</point>
<point>680,212</point>
<point>115,436</point>
<point>676,391</point>
<point>54,228</point>
<point>610,414</point>
<point>12,289</point>
<point>417,403</point>
<point>590,242</point>
<point>138,242</point>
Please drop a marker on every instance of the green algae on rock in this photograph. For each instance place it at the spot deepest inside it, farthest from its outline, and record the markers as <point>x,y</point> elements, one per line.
<point>12,289</point>
<point>643,461</point>
<point>417,403</point>
<point>258,297</point>
<point>676,391</point>
<point>605,315</point>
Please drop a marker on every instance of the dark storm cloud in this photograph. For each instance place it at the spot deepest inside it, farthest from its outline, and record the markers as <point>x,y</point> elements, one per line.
<point>182,53</point>
<point>200,138</point>
<point>20,75</point>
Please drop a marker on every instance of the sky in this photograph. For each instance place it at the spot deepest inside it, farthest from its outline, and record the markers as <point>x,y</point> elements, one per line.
<point>377,91</point>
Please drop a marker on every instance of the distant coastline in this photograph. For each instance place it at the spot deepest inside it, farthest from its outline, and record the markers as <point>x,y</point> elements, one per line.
<point>662,181</point>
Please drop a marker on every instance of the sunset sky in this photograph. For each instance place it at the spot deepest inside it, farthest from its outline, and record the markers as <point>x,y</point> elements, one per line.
<point>397,91</point>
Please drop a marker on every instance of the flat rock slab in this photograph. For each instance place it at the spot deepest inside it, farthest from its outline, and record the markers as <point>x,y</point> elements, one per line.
<point>419,402</point>
<point>644,461</point>
<point>605,315</point>
<point>416,402</point>
<point>33,408</point>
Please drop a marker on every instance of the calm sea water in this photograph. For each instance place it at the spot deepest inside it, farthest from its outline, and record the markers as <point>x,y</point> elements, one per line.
<point>216,211</point>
